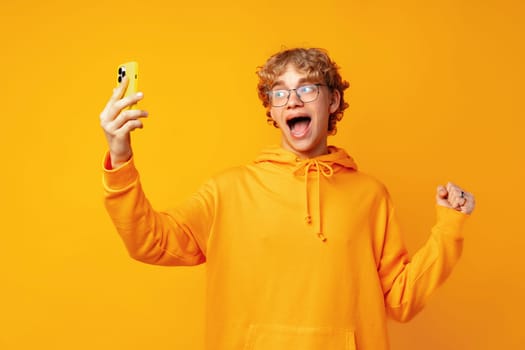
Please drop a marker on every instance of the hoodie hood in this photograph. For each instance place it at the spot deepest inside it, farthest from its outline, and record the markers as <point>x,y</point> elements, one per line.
<point>320,168</point>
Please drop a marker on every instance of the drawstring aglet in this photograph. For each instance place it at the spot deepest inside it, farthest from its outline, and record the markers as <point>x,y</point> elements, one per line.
<point>321,236</point>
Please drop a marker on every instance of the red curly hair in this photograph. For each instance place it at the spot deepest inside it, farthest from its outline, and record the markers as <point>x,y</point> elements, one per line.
<point>316,64</point>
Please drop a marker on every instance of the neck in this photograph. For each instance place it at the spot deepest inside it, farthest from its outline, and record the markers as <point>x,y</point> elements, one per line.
<point>309,153</point>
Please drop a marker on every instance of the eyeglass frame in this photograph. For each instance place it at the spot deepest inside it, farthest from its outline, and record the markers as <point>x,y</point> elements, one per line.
<point>269,93</point>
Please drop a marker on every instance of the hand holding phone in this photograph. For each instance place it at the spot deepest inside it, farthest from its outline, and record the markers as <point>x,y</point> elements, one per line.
<point>119,118</point>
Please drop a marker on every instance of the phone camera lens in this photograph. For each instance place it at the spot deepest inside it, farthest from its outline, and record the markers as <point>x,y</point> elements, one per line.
<point>119,70</point>
<point>119,79</point>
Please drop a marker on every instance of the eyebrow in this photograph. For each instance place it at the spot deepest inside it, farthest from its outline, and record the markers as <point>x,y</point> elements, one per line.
<point>299,83</point>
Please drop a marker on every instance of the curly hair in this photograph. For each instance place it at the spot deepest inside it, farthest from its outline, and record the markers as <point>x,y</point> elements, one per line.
<point>317,66</point>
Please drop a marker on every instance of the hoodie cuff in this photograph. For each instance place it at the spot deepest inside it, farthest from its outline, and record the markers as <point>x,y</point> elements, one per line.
<point>121,177</point>
<point>450,222</point>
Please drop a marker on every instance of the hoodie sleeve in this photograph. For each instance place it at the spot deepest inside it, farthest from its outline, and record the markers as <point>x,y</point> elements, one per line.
<point>407,283</point>
<point>161,238</point>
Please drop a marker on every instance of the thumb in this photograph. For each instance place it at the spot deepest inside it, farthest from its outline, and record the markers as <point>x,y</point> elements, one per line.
<point>441,196</point>
<point>441,192</point>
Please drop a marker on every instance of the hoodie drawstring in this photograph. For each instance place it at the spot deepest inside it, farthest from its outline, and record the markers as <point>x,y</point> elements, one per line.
<point>322,168</point>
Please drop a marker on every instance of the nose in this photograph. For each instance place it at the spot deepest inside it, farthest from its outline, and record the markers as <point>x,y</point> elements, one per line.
<point>294,99</point>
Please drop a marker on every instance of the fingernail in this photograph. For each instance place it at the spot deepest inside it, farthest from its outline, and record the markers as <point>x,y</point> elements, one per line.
<point>140,94</point>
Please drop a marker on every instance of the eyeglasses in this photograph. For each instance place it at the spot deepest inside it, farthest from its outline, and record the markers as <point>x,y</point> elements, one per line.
<point>306,93</point>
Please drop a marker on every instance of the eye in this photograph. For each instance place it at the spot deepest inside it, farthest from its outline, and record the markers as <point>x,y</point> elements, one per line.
<point>306,89</point>
<point>279,93</point>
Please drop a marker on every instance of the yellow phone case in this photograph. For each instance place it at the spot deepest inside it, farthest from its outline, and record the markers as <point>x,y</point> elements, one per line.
<point>131,70</point>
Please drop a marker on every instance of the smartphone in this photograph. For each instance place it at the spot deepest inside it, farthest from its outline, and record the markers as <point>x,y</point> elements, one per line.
<point>130,70</point>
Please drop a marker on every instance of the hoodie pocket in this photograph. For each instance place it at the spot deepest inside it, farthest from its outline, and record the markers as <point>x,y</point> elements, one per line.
<point>280,337</point>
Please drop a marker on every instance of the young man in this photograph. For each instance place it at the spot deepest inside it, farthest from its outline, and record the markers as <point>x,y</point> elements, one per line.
<point>303,251</point>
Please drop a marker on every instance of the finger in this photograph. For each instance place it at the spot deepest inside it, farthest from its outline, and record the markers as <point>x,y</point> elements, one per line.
<point>441,192</point>
<point>454,195</point>
<point>126,101</point>
<point>470,204</point>
<point>452,187</point>
<point>112,111</point>
<point>116,103</point>
<point>463,198</point>
<point>123,118</point>
<point>454,190</point>
<point>442,196</point>
<point>466,198</point>
<point>456,202</point>
<point>128,127</point>
<point>118,92</point>
<point>109,113</point>
<point>455,199</point>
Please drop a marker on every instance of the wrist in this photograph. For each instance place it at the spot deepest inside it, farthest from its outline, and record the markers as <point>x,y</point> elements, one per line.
<point>116,161</point>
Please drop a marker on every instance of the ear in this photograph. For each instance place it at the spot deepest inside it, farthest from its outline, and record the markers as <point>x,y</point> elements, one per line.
<point>335,100</point>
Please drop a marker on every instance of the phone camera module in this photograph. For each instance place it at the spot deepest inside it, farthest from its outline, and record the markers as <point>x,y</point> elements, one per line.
<point>121,73</point>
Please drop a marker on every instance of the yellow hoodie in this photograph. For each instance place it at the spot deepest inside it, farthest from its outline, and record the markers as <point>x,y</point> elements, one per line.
<point>301,254</point>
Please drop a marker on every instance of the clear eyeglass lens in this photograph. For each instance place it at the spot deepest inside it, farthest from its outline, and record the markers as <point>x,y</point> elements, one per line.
<point>279,97</point>
<point>306,93</point>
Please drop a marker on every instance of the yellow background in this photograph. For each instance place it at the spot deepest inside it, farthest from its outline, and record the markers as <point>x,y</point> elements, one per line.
<point>437,94</point>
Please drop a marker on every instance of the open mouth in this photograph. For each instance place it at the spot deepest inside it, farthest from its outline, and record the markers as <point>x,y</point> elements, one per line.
<point>299,125</point>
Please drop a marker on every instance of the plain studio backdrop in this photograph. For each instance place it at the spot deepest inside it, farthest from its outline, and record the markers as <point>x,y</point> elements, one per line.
<point>436,95</point>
